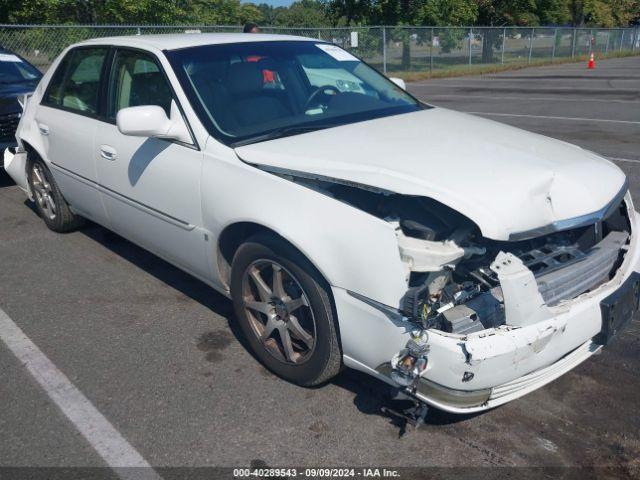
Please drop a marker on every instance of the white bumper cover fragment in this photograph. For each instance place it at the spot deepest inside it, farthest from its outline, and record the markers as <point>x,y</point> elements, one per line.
<point>16,166</point>
<point>490,367</point>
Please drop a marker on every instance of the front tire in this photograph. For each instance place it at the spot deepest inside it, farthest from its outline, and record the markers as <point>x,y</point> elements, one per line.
<point>284,309</point>
<point>50,204</point>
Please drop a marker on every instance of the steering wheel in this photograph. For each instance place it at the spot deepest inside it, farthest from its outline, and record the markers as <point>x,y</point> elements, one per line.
<point>320,91</point>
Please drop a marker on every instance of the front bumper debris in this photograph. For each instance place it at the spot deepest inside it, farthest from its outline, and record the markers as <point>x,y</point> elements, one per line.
<point>472,401</point>
<point>481,370</point>
<point>440,396</point>
<point>7,151</point>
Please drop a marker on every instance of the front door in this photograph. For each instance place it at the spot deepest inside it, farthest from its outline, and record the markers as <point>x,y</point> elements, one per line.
<point>150,186</point>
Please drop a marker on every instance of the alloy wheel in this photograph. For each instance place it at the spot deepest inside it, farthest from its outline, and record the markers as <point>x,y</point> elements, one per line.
<point>43,192</point>
<point>279,312</point>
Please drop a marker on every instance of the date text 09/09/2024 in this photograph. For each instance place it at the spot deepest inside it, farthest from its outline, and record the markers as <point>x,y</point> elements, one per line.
<point>316,473</point>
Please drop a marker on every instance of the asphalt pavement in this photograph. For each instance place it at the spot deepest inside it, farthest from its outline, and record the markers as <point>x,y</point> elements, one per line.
<point>155,352</point>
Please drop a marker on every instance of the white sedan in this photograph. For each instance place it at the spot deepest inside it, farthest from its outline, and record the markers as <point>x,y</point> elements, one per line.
<point>462,261</point>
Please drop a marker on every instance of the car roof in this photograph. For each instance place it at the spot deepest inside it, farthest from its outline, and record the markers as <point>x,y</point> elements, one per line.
<point>184,40</point>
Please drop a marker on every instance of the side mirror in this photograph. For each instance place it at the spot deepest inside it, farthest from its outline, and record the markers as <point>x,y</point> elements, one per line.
<point>152,121</point>
<point>399,82</point>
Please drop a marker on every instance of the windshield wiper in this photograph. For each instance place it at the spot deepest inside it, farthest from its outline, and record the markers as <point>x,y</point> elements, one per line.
<point>281,132</point>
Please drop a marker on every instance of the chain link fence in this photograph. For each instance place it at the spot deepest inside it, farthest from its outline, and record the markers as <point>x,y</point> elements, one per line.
<point>390,49</point>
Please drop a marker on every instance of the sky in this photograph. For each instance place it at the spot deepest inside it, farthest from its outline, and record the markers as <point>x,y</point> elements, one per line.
<point>275,3</point>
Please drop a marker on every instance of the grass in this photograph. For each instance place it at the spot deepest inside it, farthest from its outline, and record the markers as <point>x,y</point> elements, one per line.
<point>463,70</point>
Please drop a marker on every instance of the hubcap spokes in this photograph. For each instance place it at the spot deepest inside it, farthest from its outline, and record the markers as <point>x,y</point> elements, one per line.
<point>43,192</point>
<point>278,310</point>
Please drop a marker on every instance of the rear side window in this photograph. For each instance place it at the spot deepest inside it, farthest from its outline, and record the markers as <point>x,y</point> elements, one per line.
<point>76,83</point>
<point>136,79</point>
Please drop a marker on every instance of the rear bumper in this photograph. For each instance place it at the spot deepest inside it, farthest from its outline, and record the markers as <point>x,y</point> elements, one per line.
<point>482,370</point>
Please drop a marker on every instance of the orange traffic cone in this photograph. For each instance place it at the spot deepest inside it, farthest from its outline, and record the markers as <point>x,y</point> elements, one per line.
<point>592,62</point>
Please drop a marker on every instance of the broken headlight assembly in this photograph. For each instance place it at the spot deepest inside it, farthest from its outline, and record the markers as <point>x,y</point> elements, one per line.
<point>452,271</point>
<point>410,362</point>
<point>468,295</point>
<point>492,284</point>
<point>453,284</point>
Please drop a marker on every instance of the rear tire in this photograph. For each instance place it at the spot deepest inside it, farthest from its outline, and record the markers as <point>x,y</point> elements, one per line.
<point>284,309</point>
<point>50,204</point>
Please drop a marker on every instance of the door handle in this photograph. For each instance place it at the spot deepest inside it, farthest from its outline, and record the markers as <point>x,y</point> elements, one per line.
<point>44,129</point>
<point>108,153</point>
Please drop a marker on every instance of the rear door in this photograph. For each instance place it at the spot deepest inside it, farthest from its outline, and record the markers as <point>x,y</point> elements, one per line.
<point>68,118</point>
<point>151,186</point>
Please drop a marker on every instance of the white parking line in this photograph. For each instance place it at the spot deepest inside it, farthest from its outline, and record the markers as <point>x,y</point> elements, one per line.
<point>94,427</point>
<point>485,82</point>
<point>617,159</point>
<point>549,117</point>
<point>529,99</point>
<point>475,82</point>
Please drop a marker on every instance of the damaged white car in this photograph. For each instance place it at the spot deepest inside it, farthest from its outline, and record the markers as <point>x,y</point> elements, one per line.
<point>462,261</point>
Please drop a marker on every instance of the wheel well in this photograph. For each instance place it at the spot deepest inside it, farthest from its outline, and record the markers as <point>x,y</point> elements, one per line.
<point>30,150</point>
<point>230,239</point>
<point>235,235</point>
<point>31,154</point>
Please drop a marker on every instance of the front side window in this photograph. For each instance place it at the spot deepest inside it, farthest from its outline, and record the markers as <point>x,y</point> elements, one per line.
<point>136,79</point>
<point>248,92</point>
<point>76,83</point>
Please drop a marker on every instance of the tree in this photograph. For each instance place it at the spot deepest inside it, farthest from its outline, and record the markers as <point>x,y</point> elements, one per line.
<point>348,12</point>
<point>5,10</point>
<point>214,12</point>
<point>400,13</point>
<point>269,13</point>
<point>403,13</point>
<point>303,13</point>
<point>250,13</point>
<point>507,12</point>
<point>501,13</point>
<point>597,12</point>
<point>143,11</point>
<point>625,12</point>
<point>603,13</point>
<point>553,12</point>
<point>448,12</point>
<point>97,11</point>
<point>311,13</point>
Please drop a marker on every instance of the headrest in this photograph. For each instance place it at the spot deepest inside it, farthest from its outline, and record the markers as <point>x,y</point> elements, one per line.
<point>244,78</point>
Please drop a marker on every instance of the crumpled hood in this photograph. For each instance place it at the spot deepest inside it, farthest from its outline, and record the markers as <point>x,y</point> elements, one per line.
<point>505,179</point>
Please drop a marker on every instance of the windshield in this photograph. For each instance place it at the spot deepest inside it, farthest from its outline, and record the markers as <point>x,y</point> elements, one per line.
<point>250,92</point>
<point>15,70</point>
